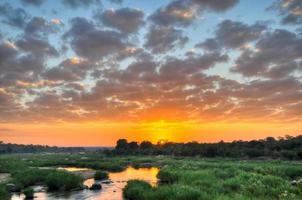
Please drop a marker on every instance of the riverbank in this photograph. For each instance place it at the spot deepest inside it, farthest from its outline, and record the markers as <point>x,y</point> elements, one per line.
<point>188,178</point>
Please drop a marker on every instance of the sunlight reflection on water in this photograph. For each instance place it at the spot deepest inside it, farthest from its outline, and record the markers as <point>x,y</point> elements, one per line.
<point>111,191</point>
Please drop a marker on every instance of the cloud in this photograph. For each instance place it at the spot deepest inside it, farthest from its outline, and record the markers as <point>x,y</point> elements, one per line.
<point>16,17</point>
<point>181,13</point>
<point>233,34</point>
<point>36,46</point>
<point>73,69</point>
<point>56,21</point>
<point>116,1</point>
<point>162,39</point>
<point>184,12</point>
<point>80,3</point>
<point>290,10</point>
<point>272,50</point>
<point>40,27</point>
<point>93,43</point>
<point>126,20</point>
<point>33,2</point>
<point>108,73</point>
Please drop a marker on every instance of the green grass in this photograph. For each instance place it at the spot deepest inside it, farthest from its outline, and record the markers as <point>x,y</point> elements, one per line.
<point>53,179</point>
<point>3,192</point>
<point>181,178</point>
<point>100,175</point>
<point>198,179</point>
<point>29,193</point>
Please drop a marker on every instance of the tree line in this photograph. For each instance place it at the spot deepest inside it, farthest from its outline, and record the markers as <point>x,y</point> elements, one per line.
<point>22,148</point>
<point>287,147</point>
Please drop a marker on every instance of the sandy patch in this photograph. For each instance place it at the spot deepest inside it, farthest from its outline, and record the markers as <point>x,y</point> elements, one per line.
<point>4,177</point>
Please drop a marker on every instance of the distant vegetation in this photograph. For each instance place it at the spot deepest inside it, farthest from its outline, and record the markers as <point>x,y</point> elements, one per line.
<point>21,148</point>
<point>285,148</point>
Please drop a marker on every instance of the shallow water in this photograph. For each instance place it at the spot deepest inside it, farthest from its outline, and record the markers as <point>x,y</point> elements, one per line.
<point>111,191</point>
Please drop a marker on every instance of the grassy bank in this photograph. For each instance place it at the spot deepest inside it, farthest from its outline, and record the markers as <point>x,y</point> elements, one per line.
<point>188,179</point>
<point>181,178</point>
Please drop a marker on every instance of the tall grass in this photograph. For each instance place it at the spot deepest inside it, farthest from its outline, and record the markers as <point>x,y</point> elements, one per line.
<point>222,180</point>
<point>3,192</point>
<point>53,179</point>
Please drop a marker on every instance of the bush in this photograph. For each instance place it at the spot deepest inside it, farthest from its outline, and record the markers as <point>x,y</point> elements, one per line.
<point>178,192</point>
<point>29,193</point>
<point>167,177</point>
<point>61,180</point>
<point>3,192</point>
<point>100,175</point>
<point>54,179</point>
<point>231,185</point>
<point>136,190</point>
<point>290,155</point>
<point>29,177</point>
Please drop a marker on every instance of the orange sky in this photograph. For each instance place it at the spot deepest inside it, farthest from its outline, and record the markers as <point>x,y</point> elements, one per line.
<point>149,70</point>
<point>106,134</point>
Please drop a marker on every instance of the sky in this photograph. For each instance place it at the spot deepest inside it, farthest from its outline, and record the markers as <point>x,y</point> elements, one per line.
<point>88,72</point>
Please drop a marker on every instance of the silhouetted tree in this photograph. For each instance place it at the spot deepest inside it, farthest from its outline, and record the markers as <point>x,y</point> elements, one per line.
<point>285,147</point>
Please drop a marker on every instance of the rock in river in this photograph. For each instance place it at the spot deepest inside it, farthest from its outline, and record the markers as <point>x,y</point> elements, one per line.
<point>96,186</point>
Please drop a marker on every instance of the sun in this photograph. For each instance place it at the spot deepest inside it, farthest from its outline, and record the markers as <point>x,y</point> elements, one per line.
<point>162,142</point>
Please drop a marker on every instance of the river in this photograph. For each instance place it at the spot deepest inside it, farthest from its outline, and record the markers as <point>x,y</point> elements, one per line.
<point>110,191</point>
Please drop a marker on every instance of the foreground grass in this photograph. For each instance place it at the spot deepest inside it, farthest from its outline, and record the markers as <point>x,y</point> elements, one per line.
<point>189,179</point>
<point>181,178</point>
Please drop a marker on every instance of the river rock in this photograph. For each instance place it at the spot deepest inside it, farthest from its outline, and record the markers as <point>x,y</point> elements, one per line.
<point>96,186</point>
<point>12,187</point>
<point>297,182</point>
<point>107,182</point>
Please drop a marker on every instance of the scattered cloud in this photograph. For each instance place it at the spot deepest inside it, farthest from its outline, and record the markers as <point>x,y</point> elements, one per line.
<point>126,20</point>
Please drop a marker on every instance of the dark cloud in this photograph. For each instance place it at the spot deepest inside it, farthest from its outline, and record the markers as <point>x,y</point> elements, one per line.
<point>290,10</point>
<point>184,12</point>
<point>37,46</point>
<point>177,12</point>
<point>16,17</point>
<point>91,42</point>
<point>69,70</point>
<point>235,34</point>
<point>162,39</point>
<point>283,70</point>
<point>126,20</point>
<point>33,2</point>
<point>178,68</point>
<point>209,45</point>
<point>64,74</point>
<point>232,34</point>
<point>116,1</point>
<point>216,5</point>
<point>273,49</point>
<point>80,3</point>
<point>38,26</point>
<point>15,66</point>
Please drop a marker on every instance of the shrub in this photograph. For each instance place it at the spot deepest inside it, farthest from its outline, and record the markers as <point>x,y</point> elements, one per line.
<point>167,177</point>
<point>100,175</point>
<point>136,190</point>
<point>61,180</point>
<point>29,193</point>
<point>3,192</point>
<point>231,185</point>
<point>28,177</point>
